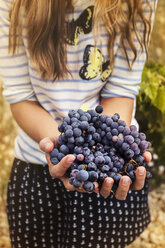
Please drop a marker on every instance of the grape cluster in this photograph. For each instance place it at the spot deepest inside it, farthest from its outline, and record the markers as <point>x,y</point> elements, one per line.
<point>103,146</point>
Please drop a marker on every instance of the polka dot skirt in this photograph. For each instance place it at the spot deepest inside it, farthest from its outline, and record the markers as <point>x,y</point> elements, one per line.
<point>42,213</point>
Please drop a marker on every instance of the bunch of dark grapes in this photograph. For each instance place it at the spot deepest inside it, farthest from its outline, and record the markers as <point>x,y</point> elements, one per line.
<point>103,146</point>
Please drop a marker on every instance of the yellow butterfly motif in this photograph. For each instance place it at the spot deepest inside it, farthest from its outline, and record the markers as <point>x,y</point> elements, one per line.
<point>94,64</point>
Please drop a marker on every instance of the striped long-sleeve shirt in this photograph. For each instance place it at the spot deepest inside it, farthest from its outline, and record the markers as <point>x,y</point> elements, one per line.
<point>90,78</point>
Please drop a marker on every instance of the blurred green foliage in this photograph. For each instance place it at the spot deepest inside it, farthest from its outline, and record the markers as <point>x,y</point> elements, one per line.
<point>150,113</point>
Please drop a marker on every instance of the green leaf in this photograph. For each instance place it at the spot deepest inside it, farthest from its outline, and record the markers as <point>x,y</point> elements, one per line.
<point>151,92</point>
<point>160,100</point>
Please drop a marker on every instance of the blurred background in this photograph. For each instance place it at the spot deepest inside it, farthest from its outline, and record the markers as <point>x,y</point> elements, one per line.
<point>151,117</point>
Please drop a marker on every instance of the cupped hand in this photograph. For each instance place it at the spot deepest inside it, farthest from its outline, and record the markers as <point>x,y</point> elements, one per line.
<point>124,183</point>
<point>59,170</point>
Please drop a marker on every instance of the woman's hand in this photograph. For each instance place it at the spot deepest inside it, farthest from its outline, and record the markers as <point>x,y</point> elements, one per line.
<point>59,170</point>
<point>124,184</point>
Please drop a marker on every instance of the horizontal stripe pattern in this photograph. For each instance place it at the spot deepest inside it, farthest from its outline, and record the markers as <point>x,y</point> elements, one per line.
<point>21,81</point>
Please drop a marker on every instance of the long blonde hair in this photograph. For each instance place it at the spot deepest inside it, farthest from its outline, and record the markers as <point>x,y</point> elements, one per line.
<point>45,23</point>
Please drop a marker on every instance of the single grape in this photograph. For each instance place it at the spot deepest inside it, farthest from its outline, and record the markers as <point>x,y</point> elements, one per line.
<point>103,118</point>
<point>92,112</point>
<point>117,178</point>
<point>54,152</point>
<point>139,159</point>
<point>89,158</point>
<point>103,126</point>
<point>133,128</point>
<point>76,183</point>
<point>137,151</point>
<point>135,134</point>
<point>105,168</point>
<point>92,166</point>
<point>77,132</point>
<point>120,129</point>
<point>115,117</point>
<point>125,146</point>
<point>79,141</point>
<point>130,167</point>
<point>132,175</point>
<point>107,159</point>
<point>99,160</point>
<point>73,119</point>
<point>82,175</point>
<point>142,136</point>
<point>84,118</point>
<point>84,125</point>
<point>89,186</point>
<point>71,140</point>
<point>60,156</point>
<point>61,128</point>
<point>97,137</point>
<point>99,109</point>
<point>64,149</point>
<point>119,142</point>
<point>93,176</point>
<point>102,176</point>
<point>114,132</point>
<point>75,124</point>
<point>115,138</point>
<point>111,174</point>
<point>129,153</point>
<point>74,173</point>
<point>80,157</point>
<point>109,121</point>
<point>54,160</point>
<point>129,139</point>
<point>86,151</point>
<point>91,129</point>
<point>69,133</point>
<point>109,136</point>
<point>137,141</point>
<point>80,111</point>
<point>134,146</point>
<point>126,130</point>
<point>114,125</point>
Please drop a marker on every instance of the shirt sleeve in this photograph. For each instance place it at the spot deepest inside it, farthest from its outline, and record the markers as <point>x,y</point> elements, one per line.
<point>124,82</point>
<point>13,69</point>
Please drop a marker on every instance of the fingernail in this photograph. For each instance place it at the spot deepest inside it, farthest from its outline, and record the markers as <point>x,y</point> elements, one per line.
<point>141,171</point>
<point>107,182</point>
<point>48,146</point>
<point>71,159</point>
<point>125,181</point>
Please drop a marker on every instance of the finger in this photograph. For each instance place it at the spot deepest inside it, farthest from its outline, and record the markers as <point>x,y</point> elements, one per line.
<point>106,187</point>
<point>140,179</point>
<point>60,169</point>
<point>122,190</point>
<point>47,144</point>
<point>147,155</point>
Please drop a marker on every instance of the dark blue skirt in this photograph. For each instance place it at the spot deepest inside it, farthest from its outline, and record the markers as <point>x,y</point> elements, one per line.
<point>42,213</point>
